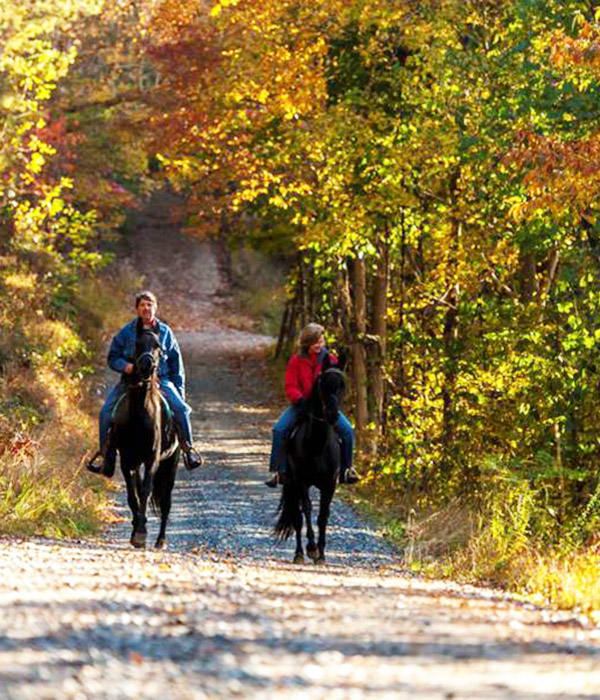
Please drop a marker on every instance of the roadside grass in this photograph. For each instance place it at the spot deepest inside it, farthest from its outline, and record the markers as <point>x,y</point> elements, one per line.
<point>457,542</point>
<point>48,409</point>
<point>43,490</point>
<point>568,581</point>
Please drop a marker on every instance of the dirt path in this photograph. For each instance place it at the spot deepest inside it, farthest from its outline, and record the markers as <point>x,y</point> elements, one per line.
<point>223,613</point>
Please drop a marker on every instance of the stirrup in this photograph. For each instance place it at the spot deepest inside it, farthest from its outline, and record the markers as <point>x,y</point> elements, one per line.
<point>350,476</point>
<point>274,480</point>
<point>91,465</point>
<point>192,459</point>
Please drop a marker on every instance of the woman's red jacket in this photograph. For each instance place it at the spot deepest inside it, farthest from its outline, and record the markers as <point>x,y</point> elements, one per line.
<point>301,373</point>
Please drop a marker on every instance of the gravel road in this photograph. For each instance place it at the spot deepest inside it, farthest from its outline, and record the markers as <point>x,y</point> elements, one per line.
<point>223,613</point>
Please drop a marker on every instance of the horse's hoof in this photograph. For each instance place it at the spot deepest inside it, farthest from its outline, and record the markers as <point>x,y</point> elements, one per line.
<point>313,553</point>
<point>299,559</point>
<point>161,543</point>
<point>318,555</point>
<point>138,540</point>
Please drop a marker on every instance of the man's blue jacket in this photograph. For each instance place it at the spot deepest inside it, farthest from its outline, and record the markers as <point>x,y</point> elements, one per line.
<point>122,352</point>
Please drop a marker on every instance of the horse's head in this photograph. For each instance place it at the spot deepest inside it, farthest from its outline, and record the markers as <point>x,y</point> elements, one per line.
<point>331,386</point>
<point>147,354</point>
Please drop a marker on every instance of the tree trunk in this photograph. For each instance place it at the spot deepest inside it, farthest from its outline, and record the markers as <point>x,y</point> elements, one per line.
<point>283,327</point>
<point>401,359</point>
<point>378,327</point>
<point>449,339</point>
<point>528,281</point>
<point>448,415</point>
<point>311,304</point>
<point>302,290</point>
<point>357,349</point>
<point>345,308</point>
<point>552,268</point>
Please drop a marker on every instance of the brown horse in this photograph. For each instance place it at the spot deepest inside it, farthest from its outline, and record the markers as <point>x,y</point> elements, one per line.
<point>145,436</point>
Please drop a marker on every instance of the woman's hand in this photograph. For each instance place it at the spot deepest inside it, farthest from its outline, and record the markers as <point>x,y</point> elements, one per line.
<point>302,407</point>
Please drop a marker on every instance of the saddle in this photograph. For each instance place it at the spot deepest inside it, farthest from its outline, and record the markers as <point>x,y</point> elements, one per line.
<point>169,424</point>
<point>167,412</point>
<point>297,427</point>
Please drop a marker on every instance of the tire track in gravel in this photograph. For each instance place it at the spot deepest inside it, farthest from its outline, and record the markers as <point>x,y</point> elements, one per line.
<point>223,614</point>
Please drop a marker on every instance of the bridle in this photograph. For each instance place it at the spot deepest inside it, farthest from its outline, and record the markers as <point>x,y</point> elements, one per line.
<point>330,370</point>
<point>153,361</point>
<point>153,356</point>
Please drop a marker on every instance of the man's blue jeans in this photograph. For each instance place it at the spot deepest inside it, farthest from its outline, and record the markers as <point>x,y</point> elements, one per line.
<point>181,410</point>
<point>284,426</point>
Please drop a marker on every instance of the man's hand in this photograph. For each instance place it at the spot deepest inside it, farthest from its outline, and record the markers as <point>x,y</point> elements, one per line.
<point>128,368</point>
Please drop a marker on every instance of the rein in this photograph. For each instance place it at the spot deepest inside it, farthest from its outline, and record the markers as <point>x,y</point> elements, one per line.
<point>153,364</point>
<point>140,382</point>
<point>331,370</point>
<point>313,417</point>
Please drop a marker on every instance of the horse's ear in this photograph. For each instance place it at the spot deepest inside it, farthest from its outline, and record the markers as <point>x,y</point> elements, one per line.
<point>326,363</point>
<point>342,360</point>
<point>139,327</point>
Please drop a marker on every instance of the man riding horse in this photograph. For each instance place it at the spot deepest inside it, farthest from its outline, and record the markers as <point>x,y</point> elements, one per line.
<point>301,373</point>
<point>171,376</point>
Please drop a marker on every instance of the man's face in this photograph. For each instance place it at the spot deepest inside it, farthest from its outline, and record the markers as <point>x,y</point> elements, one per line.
<point>146,310</point>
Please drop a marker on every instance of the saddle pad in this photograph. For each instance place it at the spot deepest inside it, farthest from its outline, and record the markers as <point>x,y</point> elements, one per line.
<point>167,410</point>
<point>165,404</point>
<point>298,425</point>
<point>113,415</point>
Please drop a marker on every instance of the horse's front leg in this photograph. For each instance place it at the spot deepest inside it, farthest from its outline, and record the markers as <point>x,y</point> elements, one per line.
<point>311,547</point>
<point>299,554</point>
<point>145,488</point>
<point>132,496</point>
<point>162,487</point>
<point>324,507</point>
<point>139,534</point>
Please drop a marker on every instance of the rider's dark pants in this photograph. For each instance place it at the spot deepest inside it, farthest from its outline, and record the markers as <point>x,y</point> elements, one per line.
<point>284,426</point>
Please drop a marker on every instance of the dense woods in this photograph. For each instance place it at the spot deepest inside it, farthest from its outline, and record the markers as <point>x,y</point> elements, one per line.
<point>427,170</point>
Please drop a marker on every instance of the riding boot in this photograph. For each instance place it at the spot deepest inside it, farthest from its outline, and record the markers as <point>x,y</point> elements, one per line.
<point>91,464</point>
<point>191,457</point>
<point>109,460</point>
<point>275,479</point>
<point>350,476</point>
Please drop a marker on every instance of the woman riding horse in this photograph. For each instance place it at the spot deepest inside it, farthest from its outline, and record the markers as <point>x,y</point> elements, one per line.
<point>300,376</point>
<point>313,458</point>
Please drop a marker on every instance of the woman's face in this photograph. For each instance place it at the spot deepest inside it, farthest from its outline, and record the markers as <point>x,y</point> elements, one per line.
<point>317,346</point>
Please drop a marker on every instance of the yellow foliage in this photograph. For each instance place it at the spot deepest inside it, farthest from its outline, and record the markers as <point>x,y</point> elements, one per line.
<point>20,281</point>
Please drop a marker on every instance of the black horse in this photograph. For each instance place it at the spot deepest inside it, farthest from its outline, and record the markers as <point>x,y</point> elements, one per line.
<point>313,459</point>
<point>145,435</point>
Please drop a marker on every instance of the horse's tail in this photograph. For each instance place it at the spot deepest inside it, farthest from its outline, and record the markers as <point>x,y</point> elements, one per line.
<point>155,499</point>
<point>289,510</point>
